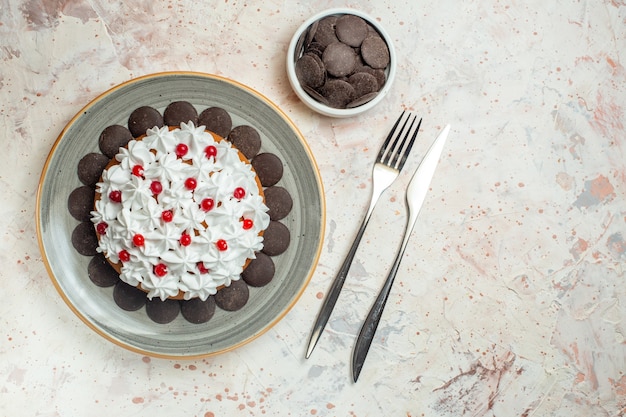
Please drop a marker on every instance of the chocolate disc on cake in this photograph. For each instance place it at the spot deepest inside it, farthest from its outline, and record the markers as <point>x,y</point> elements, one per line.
<point>112,139</point>
<point>84,239</point>
<point>197,311</point>
<point>246,139</point>
<point>260,271</point>
<point>162,312</point>
<point>279,202</point>
<point>101,272</point>
<point>217,120</point>
<point>80,203</point>
<point>233,297</point>
<point>179,112</point>
<point>276,239</point>
<point>142,119</point>
<point>127,297</point>
<point>268,167</point>
<point>90,168</point>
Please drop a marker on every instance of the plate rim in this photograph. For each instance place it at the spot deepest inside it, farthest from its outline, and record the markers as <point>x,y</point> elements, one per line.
<point>45,172</point>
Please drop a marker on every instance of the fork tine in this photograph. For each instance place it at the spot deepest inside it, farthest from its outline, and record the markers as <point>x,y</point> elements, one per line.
<point>393,163</point>
<point>406,152</point>
<point>383,149</point>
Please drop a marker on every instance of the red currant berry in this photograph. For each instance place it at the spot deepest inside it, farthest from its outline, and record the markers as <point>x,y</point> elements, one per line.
<point>191,183</point>
<point>210,151</point>
<point>115,196</point>
<point>101,228</point>
<point>181,150</point>
<point>167,216</point>
<point>203,269</point>
<point>221,245</point>
<point>139,240</point>
<point>239,193</point>
<point>137,171</point>
<point>207,204</point>
<point>160,270</point>
<point>156,187</point>
<point>185,239</point>
<point>124,255</point>
<point>247,224</point>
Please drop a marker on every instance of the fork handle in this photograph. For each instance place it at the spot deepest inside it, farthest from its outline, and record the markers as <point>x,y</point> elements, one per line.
<point>366,335</point>
<point>340,278</point>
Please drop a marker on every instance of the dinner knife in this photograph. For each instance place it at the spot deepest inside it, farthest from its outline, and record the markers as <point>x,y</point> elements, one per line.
<point>415,196</point>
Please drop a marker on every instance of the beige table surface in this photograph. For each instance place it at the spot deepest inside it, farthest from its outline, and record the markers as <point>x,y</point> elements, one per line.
<point>511,299</point>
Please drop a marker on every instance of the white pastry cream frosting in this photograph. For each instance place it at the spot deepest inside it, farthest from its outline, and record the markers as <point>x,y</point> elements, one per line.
<point>179,212</point>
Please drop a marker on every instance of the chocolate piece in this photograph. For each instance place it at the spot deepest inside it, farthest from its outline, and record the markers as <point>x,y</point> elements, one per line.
<point>162,312</point>
<point>112,139</point>
<point>217,120</point>
<point>260,271</point>
<point>101,272</point>
<point>351,29</point>
<point>313,93</point>
<point>142,119</point>
<point>268,167</point>
<point>363,83</point>
<point>233,297</point>
<point>127,297</point>
<point>279,202</point>
<point>276,238</point>
<point>361,100</point>
<point>246,139</point>
<point>325,33</point>
<point>310,70</point>
<point>90,168</point>
<point>80,202</point>
<point>84,239</point>
<point>197,311</point>
<point>375,52</point>
<point>338,93</point>
<point>179,112</point>
<point>339,59</point>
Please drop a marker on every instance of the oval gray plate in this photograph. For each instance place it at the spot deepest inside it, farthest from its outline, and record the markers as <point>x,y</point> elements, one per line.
<point>226,330</point>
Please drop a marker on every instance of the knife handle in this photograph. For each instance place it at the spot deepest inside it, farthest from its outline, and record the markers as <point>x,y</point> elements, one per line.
<point>366,335</point>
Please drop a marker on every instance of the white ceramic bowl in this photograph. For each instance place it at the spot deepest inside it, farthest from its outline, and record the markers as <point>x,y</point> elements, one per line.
<point>293,54</point>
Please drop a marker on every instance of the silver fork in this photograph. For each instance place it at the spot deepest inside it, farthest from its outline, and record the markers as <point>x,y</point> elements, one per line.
<point>389,162</point>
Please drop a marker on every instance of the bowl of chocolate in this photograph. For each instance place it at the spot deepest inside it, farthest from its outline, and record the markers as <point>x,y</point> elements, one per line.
<point>341,62</point>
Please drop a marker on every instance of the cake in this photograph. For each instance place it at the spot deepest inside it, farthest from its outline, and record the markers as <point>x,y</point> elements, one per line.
<point>179,212</point>
<point>196,303</point>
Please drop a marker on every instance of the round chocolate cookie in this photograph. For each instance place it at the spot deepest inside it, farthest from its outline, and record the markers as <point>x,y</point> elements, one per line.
<point>90,168</point>
<point>142,119</point>
<point>216,120</point>
<point>310,70</point>
<point>80,202</point>
<point>338,93</point>
<point>127,297</point>
<point>112,139</point>
<point>84,239</point>
<point>178,112</point>
<point>260,271</point>
<point>363,83</point>
<point>197,311</point>
<point>246,139</point>
<point>276,239</point>
<point>339,59</point>
<point>351,29</point>
<point>279,202</point>
<point>325,31</point>
<point>233,297</point>
<point>101,272</point>
<point>375,52</point>
<point>162,312</point>
<point>268,167</point>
